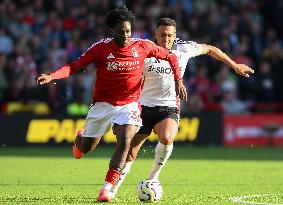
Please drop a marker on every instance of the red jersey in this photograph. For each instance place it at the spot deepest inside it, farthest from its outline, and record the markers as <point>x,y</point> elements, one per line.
<point>118,70</point>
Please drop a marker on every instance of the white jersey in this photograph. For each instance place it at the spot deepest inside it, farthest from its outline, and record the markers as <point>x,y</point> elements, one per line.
<point>159,84</point>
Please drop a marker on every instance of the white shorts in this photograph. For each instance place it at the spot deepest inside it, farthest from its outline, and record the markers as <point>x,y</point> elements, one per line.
<point>102,116</point>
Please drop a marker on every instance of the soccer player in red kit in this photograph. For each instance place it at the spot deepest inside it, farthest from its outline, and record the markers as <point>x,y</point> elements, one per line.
<point>119,65</point>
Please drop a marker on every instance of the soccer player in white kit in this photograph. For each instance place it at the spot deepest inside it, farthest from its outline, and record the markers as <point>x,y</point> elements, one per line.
<point>160,106</point>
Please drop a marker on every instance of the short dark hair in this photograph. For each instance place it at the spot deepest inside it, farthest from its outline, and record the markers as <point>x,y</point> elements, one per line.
<point>166,22</point>
<point>120,15</point>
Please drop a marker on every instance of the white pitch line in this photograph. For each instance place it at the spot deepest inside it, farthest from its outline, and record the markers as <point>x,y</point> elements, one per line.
<point>241,199</point>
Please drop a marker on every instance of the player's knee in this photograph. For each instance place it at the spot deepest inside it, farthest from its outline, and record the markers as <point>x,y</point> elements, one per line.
<point>85,148</point>
<point>83,144</point>
<point>166,139</point>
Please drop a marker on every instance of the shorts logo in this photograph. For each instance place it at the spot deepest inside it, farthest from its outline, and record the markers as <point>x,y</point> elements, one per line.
<point>135,115</point>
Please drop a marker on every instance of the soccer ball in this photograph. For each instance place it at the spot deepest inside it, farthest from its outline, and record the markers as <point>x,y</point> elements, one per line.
<point>149,191</point>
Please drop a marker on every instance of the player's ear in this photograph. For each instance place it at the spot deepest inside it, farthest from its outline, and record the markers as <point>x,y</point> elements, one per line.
<point>175,34</point>
<point>155,34</point>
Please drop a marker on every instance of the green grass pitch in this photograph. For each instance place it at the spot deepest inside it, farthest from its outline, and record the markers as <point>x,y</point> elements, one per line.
<point>193,175</point>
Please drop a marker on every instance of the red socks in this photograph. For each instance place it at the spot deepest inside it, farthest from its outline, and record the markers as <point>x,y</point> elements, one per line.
<point>112,176</point>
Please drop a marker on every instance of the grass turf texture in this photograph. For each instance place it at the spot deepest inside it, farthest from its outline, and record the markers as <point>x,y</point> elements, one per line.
<point>193,175</point>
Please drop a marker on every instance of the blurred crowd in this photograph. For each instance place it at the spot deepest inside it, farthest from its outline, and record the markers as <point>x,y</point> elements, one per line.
<point>38,36</point>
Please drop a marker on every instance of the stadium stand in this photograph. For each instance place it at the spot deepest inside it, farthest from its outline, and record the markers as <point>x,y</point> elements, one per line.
<point>38,36</point>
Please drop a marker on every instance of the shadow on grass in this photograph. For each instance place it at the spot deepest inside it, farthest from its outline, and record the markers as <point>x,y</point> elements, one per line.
<point>48,200</point>
<point>147,152</point>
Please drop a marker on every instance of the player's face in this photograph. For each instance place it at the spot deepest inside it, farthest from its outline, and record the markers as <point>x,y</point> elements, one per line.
<point>165,36</point>
<point>122,33</point>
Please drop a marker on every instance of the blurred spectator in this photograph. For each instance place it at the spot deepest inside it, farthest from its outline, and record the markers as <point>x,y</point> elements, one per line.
<point>232,105</point>
<point>265,83</point>
<point>194,105</point>
<point>3,78</point>
<point>141,30</point>
<point>200,85</point>
<point>6,43</point>
<point>246,85</point>
<point>227,80</point>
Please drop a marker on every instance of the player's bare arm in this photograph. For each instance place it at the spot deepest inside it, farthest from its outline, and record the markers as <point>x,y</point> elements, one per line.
<point>181,90</point>
<point>216,53</point>
<point>44,78</point>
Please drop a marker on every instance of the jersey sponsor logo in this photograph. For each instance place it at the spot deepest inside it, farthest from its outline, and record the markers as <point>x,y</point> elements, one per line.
<point>159,69</point>
<point>112,65</point>
<point>127,65</point>
<point>110,56</point>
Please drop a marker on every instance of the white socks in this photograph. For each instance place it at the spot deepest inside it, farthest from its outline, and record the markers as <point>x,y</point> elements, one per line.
<point>124,172</point>
<point>162,153</point>
<point>107,186</point>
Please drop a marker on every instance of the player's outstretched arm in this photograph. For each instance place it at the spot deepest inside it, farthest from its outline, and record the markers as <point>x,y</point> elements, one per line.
<point>63,72</point>
<point>44,78</point>
<point>216,53</point>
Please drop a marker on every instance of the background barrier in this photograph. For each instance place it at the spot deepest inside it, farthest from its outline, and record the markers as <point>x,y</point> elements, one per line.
<point>210,128</point>
<point>21,130</point>
<point>256,129</point>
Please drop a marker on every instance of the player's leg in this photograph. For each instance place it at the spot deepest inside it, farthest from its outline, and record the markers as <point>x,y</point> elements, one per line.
<point>148,119</point>
<point>83,145</point>
<point>88,138</point>
<point>136,144</point>
<point>166,131</point>
<point>126,125</point>
<point>124,135</point>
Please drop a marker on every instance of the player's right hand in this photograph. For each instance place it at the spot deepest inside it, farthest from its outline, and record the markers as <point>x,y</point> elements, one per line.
<point>243,70</point>
<point>181,90</point>
<point>44,78</point>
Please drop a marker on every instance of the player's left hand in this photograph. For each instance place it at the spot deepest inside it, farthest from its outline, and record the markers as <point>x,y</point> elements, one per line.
<point>181,90</point>
<point>243,70</point>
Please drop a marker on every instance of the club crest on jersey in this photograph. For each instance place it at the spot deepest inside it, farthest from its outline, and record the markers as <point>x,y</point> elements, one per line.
<point>135,53</point>
<point>110,56</point>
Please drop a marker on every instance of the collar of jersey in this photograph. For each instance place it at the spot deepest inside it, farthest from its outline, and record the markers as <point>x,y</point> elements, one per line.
<point>120,48</point>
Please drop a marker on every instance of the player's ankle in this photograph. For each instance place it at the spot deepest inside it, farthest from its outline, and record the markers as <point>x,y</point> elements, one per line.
<point>113,175</point>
